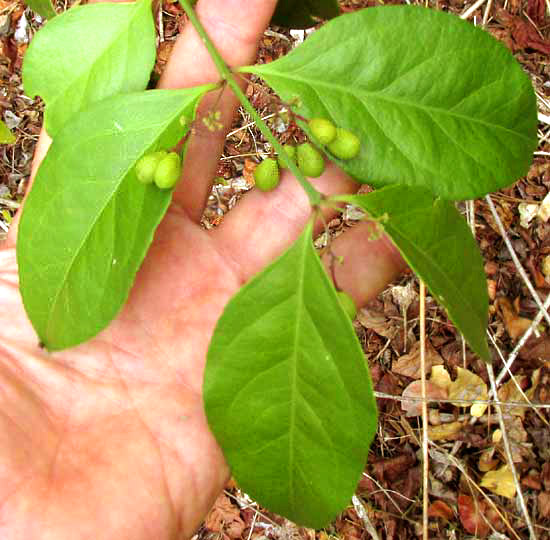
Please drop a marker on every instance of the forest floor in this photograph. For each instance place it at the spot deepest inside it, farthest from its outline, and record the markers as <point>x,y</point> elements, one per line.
<point>472,493</point>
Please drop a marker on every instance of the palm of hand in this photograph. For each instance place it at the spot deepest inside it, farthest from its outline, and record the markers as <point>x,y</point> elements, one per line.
<point>109,440</point>
<point>115,428</point>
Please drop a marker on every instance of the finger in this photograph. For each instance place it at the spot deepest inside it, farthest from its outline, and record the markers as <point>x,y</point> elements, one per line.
<point>235,27</point>
<point>264,225</point>
<point>369,262</point>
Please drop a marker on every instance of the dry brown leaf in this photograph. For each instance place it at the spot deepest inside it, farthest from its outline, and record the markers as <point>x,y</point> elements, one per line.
<point>532,480</point>
<point>440,377</point>
<point>376,321</point>
<point>524,34</point>
<point>500,482</point>
<point>517,437</point>
<point>543,504</point>
<point>391,469</point>
<point>445,431</point>
<point>468,387</point>
<point>536,349</point>
<point>225,518</point>
<point>471,516</point>
<point>248,171</point>
<point>414,390</point>
<point>487,460</point>
<point>409,364</point>
<point>536,11</point>
<point>509,392</point>
<point>440,509</point>
<point>545,476</point>
<point>514,324</point>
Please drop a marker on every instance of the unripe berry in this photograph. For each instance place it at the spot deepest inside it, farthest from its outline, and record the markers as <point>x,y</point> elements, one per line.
<point>310,161</point>
<point>323,130</point>
<point>168,171</point>
<point>346,145</point>
<point>348,304</point>
<point>291,152</point>
<point>266,174</point>
<point>147,165</point>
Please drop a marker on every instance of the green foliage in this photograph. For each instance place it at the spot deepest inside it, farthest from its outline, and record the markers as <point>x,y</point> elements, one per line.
<point>435,101</point>
<point>168,171</point>
<point>431,108</point>
<point>266,174</point>
<point>303,14</point>
<point>438,245</point>
<point>346,145</point>
<point>43,7</point>
<point>76,271</point>
<point>323,130</point>
<point>287,393</point>
<point>348,304</point>
<point>6,136</point>
<point>310,161</point>
<point>87,54</point>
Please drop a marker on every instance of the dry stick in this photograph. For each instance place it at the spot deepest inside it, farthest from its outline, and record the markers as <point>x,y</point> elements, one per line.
<point>472,8</point>
<point>362,513</point>
<point>456,463</point>
<point>514,380</point>
<point>486,13</point>
<point>253,506</point>
<point>520,268</point>
<point>425,463</point>
<point>509,404</point>
<point>385,491</point>
<point>227,75</point>
<point>508,451</point>
<point>521,342</point>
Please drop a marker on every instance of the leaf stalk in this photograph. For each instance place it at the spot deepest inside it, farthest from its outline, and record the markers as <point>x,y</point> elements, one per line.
<point>314,196</point>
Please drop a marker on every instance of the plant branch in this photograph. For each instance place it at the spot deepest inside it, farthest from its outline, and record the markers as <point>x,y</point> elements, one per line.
<point>226,74</point>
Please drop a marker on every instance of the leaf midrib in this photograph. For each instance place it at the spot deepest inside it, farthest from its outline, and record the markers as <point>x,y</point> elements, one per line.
<point>293,374</point>
<point>377,95</point>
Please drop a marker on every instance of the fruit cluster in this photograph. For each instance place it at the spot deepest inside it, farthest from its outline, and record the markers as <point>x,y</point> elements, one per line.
<point>340,142</point>
<point>163,168</point>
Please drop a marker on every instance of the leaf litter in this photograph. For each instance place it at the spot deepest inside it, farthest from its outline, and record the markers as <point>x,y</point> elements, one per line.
<point>470,478</point>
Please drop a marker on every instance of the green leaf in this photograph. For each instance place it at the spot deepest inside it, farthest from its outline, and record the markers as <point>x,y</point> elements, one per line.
<point>6,136</point>
<point>88,221</point>
<point>304,14</point>
<point>436,101</point>
<point>438,245</point>
<point>87,54</point>
<point>287,392</point>
<point>43,7</point>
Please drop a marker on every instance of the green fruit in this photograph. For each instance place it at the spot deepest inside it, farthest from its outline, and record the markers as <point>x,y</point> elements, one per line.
<point>266,174</point>
<point>147,165</point>
<point>291,152</point>
<point>348,304</point>
<point>323,130</point>
<point>168,171</point>
<point>310,161</point>
<point>346,145</point>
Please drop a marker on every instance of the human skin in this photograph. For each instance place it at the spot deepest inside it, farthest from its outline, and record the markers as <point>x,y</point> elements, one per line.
<point>109,439</point>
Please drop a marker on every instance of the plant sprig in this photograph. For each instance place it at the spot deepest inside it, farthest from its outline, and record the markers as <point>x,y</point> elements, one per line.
<point>314,196</point>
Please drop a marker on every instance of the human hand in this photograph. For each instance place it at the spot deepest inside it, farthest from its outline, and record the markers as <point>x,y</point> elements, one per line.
<point>109,439</point>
